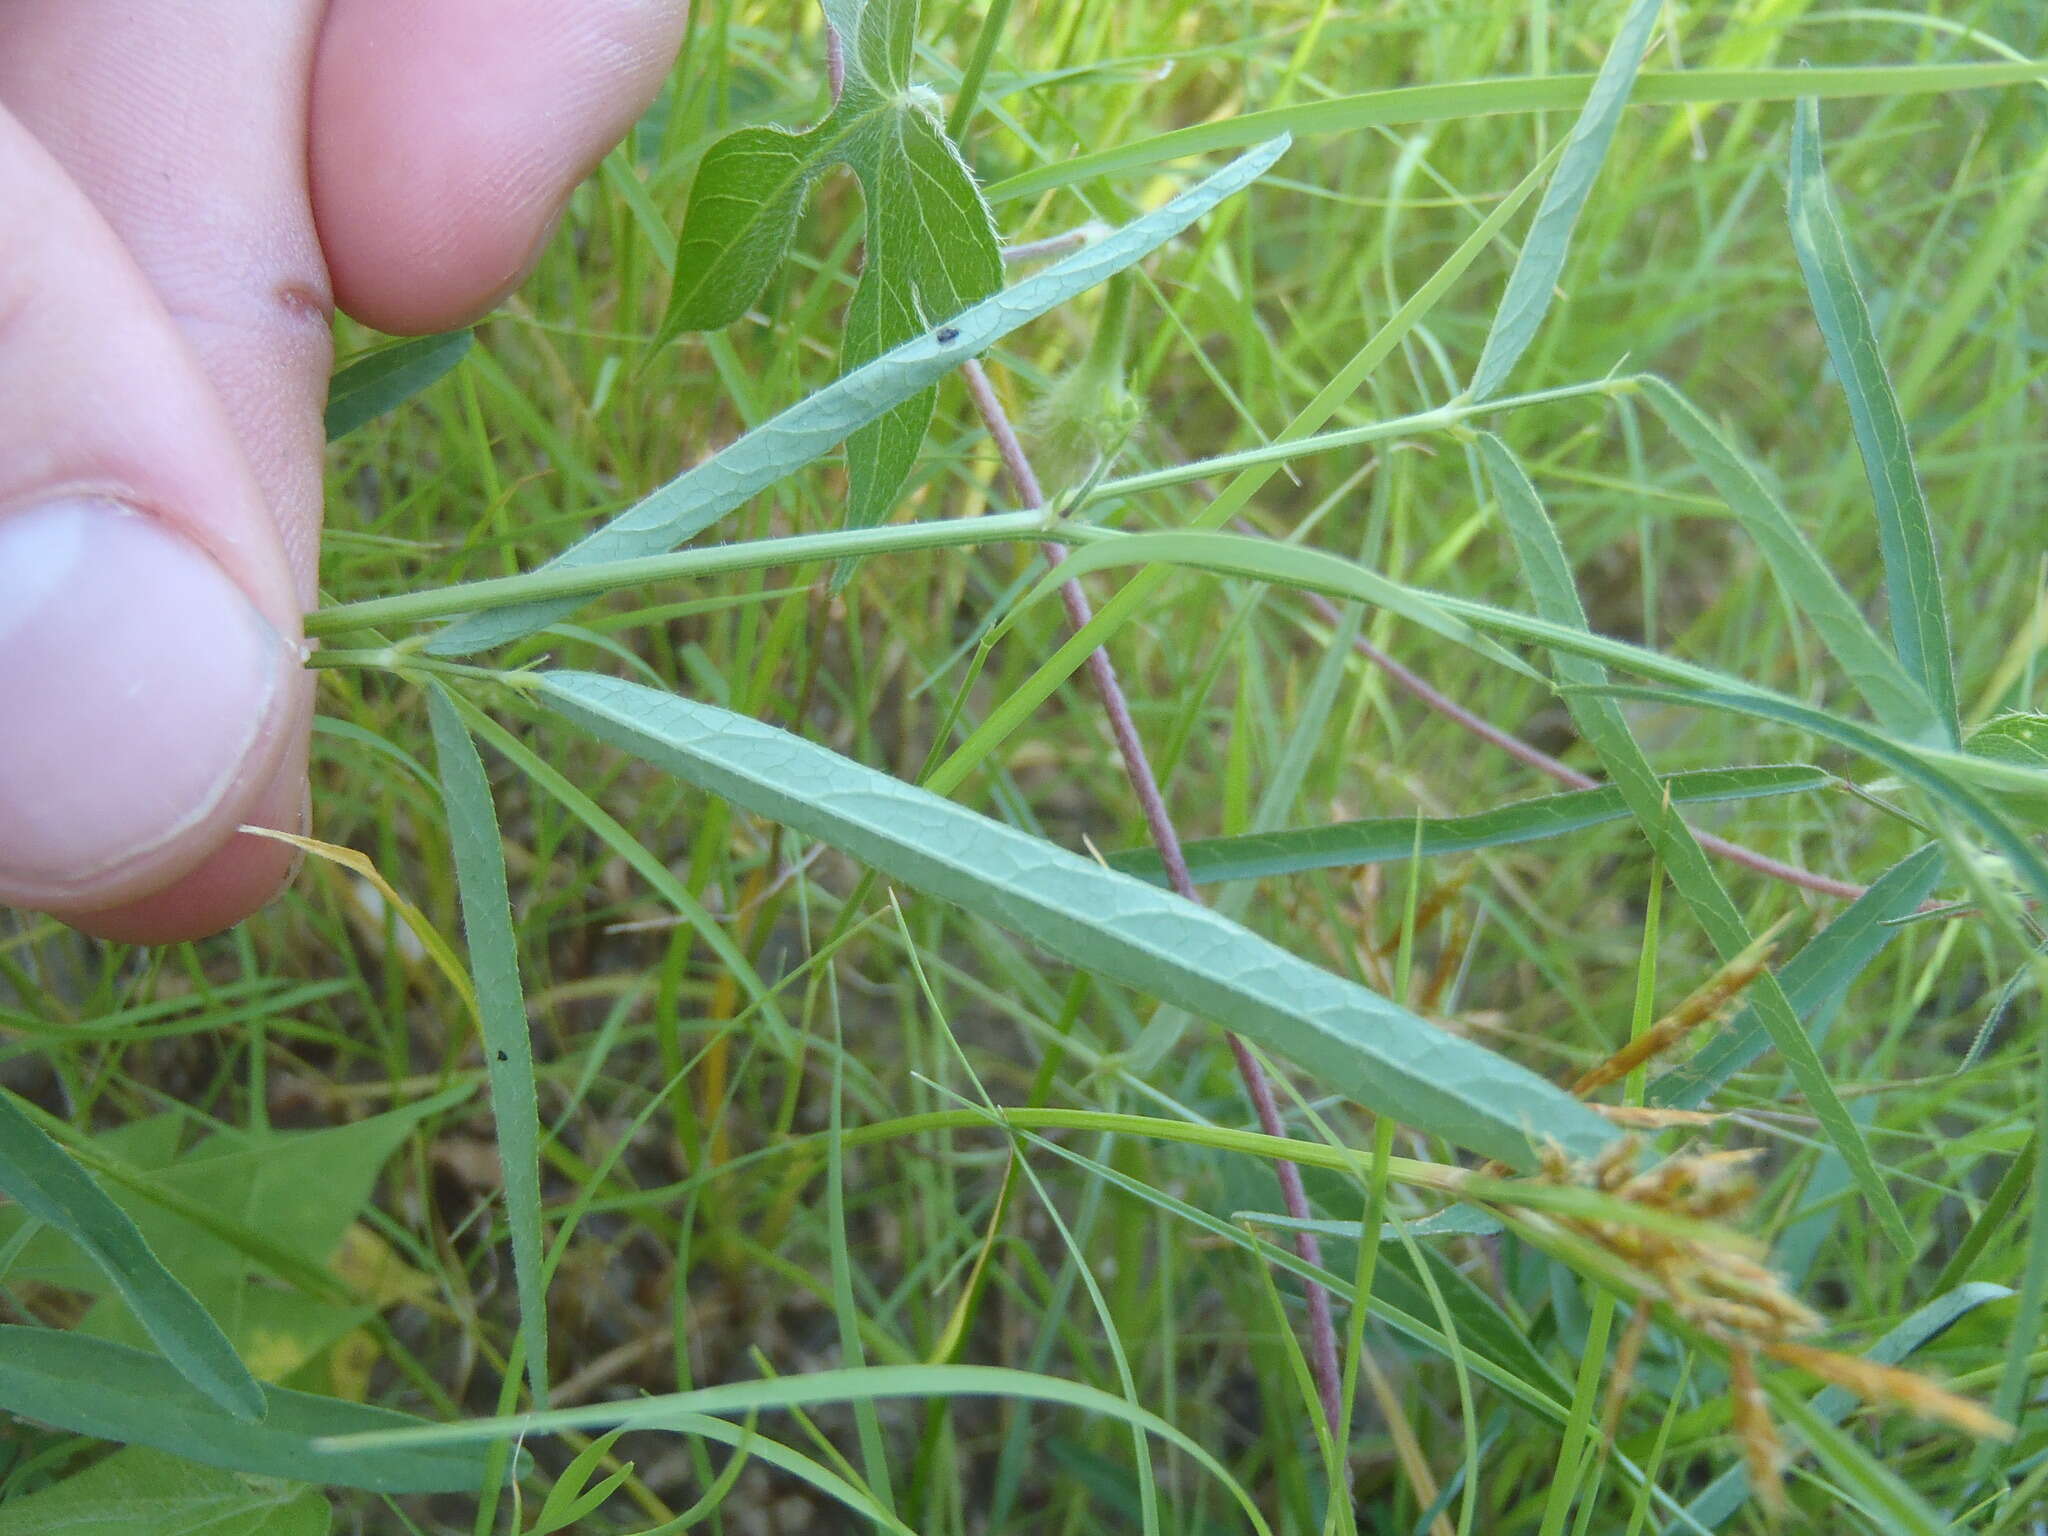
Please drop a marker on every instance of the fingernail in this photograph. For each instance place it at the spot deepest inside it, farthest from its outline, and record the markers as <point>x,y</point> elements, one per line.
<point>135,679</point>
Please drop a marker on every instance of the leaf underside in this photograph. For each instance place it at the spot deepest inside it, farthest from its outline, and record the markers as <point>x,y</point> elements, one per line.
<point>1350,1040</point>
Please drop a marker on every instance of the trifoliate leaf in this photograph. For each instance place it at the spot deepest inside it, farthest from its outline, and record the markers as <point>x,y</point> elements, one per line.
<point>930,244</point>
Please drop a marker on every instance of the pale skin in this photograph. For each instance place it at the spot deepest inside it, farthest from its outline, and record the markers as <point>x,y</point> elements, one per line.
<point>187,189</point>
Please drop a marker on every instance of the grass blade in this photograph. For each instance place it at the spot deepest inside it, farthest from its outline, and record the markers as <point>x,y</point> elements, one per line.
<point>501,1012</point>
<point>1822,970</point>
<point>1127,604</point>
<point>693,501</point>
<point>1912,580</point>
<point>1353,1041</point>
<point>2017,1372</point>
<point>1930,771</point>
<point>1534,280</point>
<point>1726,1494</point>
<point>42,1179</point>
<point>1600,722</point>
<point>877,1383</point>
<point>368,386</point>
<point>1389,839</point>
<point>93,1387</point>
<point>750,1445</point>
<point>1960,778</point>
<point>1873,1487</point>
<point>1898,701</point>
<point>1513,95</point>
<point>1315,570</point>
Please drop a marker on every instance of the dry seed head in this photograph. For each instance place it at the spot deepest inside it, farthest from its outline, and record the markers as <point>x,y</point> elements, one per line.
<point>1626,1353</point>
<point>1638,1117</point>
<point>1705,1005</point>
<point>1709,1280</point>
<point>1762,1451</point>
<point>1891,1387</point>
<point>1427,910</point>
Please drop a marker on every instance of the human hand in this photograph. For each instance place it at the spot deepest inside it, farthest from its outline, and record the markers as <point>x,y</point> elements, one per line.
<point>187,187</point>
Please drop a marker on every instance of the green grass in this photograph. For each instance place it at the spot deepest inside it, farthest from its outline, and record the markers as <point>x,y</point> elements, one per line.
<point>902,1221</point>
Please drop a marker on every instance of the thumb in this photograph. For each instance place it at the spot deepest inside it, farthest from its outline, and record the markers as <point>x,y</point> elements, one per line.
<point>149,668</point>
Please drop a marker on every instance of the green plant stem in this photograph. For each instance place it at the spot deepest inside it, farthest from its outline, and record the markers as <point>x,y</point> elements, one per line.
<point>1437,419</point>
<point>992,25</point>
<point>560,581</point>
<point>716,559</point>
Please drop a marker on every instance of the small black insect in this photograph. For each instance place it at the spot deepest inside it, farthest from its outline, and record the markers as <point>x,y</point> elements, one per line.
<point>946,333</point>
<point>503,1057</point>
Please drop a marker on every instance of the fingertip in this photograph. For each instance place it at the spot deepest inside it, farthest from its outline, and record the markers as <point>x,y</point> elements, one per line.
<point>142,695</point>
<point>238,878</point>
<point>446,135</point>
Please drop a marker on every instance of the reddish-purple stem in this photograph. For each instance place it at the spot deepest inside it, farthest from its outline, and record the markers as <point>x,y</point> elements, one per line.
<point>1542,762</point>
<point>1322,1327</point>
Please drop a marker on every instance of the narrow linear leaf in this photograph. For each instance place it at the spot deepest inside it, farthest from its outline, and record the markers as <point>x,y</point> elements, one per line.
<point>1352,1041</point>
<point>1727,1493</point>
<point>876,1383</point>
<point>1294,564</point>
<point>368,386</point>
<point>1451,1221</point>
<point>1398,1297</point>
<point>41,1177</point>
<point>1600,722</point>
<point>744,203</point>
<point>501,1012</point>
<point>748,1444</point>
<point>714,936</point>
<point>1871,1486</point>
<point>93,1387</point>
<point>1899,702</point>
<point>1534,280</point>
<point>574,1495</point>
<point>1912,579</point>
<point>1971,777</point>
<point>1514,95</point>
<point>1389,839</point>
<point>2017,1371</point>
<point>1315,570</point>
<point>1932,772</point>
<point>1822,970</point>
<point>1995,1220</point>
<point>778,448</point>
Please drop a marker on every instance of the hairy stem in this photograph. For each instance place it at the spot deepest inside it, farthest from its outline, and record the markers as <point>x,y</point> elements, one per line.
<point>1322,1328</point>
